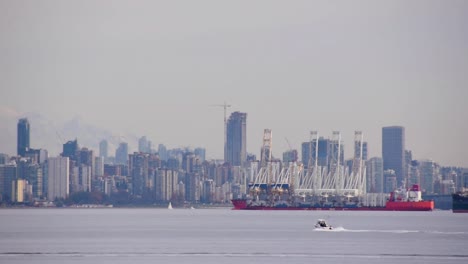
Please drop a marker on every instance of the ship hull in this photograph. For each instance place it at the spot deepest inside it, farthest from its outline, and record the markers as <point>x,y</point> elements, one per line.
<point>460,211</point>
<point>460,203</point>
<point>241,204</point>
<point>410,206</point>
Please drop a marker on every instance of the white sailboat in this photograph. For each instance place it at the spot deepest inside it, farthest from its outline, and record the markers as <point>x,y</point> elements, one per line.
<point>169,206</point>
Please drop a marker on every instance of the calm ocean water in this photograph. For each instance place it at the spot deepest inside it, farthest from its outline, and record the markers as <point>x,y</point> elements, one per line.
<point>226,236</point>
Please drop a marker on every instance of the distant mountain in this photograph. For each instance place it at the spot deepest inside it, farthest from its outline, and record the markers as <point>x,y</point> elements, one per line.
<point>51,135</point>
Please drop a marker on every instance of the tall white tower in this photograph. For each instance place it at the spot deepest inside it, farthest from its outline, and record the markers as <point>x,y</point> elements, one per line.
<point>59,178</point>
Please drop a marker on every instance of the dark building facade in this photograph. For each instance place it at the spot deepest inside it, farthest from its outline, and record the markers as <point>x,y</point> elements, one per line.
<point>70,149</point>
<point>393,151</point>
<point>138,169</point>
<point>236,139</point>
<point>23,136</point>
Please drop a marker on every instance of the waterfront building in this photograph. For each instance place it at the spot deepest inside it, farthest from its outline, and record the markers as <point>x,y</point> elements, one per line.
<point>236,139</point>
<point>80,178</point>
<point>20,191</point>
<point>375,175</point>
<point>138,170</point>
<point>429,174</point>
<point>393,151</point>
<point>8,174</point>
<point>192,187</point>
<point>390,181</point>
<point>23,137</point>
<point>32,172</point>
<point>414,176</point>
<point>58,178</point>
<point>166,184</point>
<point>208,193</point>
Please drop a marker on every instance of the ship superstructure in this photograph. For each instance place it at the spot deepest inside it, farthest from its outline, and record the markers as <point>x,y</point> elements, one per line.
<point>460,202</point>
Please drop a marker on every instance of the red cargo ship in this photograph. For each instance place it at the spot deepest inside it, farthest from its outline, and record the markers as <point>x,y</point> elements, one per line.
<point>400,200</point>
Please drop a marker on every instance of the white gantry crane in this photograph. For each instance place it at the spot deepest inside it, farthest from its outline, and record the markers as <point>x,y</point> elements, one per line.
<point>331,177</point>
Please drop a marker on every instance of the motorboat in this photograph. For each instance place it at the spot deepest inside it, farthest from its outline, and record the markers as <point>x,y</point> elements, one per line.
<point>322,224</point>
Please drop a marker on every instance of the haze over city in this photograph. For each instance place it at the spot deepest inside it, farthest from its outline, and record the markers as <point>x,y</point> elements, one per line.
<point>156,69</point>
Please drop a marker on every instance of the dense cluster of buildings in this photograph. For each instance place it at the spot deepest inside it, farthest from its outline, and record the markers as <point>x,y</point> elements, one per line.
<point>184,175</point>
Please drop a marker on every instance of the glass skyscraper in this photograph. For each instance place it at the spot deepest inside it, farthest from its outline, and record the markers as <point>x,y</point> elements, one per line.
<point>393,151</point>
<point>23,136</point>
<point>236,139</point>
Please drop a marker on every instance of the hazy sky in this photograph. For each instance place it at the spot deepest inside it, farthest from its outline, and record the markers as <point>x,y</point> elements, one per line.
<point>154,68</point>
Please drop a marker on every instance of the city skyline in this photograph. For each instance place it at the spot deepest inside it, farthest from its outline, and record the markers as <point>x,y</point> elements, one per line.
<point>132,145</point>
<point>156,70</point>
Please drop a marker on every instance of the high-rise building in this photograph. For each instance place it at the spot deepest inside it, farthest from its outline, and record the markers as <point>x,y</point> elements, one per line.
<point>4,158</point>
<point>201,153</point>
<point>390,181</point>
<point>192,187</point>
<point>19,190</point>
<point>393,151</point>
<point>208,191</point>
<point>429,174</point>
<point>58,178</point>
<point>414,176</point>
<point>70,148</point>
<point>103,147</point>
<point>85,157</point>
<point>33,173</point>
<point>166,184</point>
<point>8,174</point>
<point>375,175</point>
<point>121,154</point>
<point>80,178</point>
<point>357,149</point>
<point>236,139</point>
<point>144,145</point>
<point>327,152</point>
<point>37,155</point>
<point>99,166</point>
<point>138,170</point>
<point>290,156</point>
<point>162,152</point>
<point>23,136</point>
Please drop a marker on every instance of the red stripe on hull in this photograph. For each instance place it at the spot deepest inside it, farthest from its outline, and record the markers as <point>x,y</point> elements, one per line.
<point>240,204</point>
<point>410,206</point>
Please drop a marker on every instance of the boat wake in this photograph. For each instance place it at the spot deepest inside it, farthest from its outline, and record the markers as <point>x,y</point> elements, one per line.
<point>342,229</point>
<point>334,229</point>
